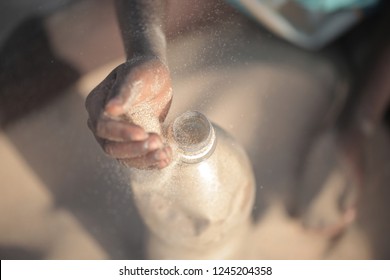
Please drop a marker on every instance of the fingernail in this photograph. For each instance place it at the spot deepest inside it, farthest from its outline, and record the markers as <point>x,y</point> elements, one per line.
<point>137,135</point>
<point>114,108</point>
<point>154,143</point>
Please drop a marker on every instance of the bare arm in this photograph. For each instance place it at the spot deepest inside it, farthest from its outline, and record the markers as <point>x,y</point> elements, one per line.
<point>142,26</point>
<point>116,107</point>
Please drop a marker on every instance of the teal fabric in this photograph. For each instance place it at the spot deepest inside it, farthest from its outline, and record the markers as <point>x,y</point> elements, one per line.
<point>328,6</point>
<point>237,4</point>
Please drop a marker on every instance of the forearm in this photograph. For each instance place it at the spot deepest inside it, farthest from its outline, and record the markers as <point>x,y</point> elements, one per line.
<point>142,26</point>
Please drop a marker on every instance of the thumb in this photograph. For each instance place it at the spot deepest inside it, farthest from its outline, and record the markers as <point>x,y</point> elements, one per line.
<point>124,93</point>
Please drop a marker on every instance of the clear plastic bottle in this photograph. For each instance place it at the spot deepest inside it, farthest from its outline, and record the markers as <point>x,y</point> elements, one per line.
<point>199,207</point>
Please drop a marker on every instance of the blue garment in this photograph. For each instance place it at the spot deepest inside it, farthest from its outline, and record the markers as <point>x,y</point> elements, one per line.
<point>310,24</point>
<point>328,6</point>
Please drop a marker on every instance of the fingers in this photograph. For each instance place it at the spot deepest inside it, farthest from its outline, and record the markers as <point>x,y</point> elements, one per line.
<point>116,130</point>
<point>111,103</point>
<point>156,159</point>
<point>146,154</point>
<point>127,142</point>
<point>128,150</point>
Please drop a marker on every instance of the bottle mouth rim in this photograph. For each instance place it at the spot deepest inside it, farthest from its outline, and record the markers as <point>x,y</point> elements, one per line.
<point>194,136</point>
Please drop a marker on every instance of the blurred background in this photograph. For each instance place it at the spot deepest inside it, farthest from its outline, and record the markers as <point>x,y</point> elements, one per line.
<point>284,100</point>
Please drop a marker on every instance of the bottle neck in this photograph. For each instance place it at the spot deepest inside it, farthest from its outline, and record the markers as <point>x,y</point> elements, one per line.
<point>194,136</point>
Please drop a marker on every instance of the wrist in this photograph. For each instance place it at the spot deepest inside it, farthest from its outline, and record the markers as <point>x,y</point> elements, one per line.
<point>138,58</point>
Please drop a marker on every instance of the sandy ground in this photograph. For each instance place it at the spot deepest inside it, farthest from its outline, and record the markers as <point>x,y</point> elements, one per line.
<point>62,198</point>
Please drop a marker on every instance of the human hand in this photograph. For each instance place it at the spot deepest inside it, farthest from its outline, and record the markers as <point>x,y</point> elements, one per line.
<point>134,94</point>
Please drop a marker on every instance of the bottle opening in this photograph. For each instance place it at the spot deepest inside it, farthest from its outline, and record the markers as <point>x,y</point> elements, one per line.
<point>194,135</point>
<point>191,129</point>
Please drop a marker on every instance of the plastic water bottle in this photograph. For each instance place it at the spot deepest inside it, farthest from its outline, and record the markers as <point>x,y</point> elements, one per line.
<point>199,207</point>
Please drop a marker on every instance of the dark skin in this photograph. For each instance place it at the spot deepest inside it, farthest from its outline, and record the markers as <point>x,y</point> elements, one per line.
<point>133,84</point>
